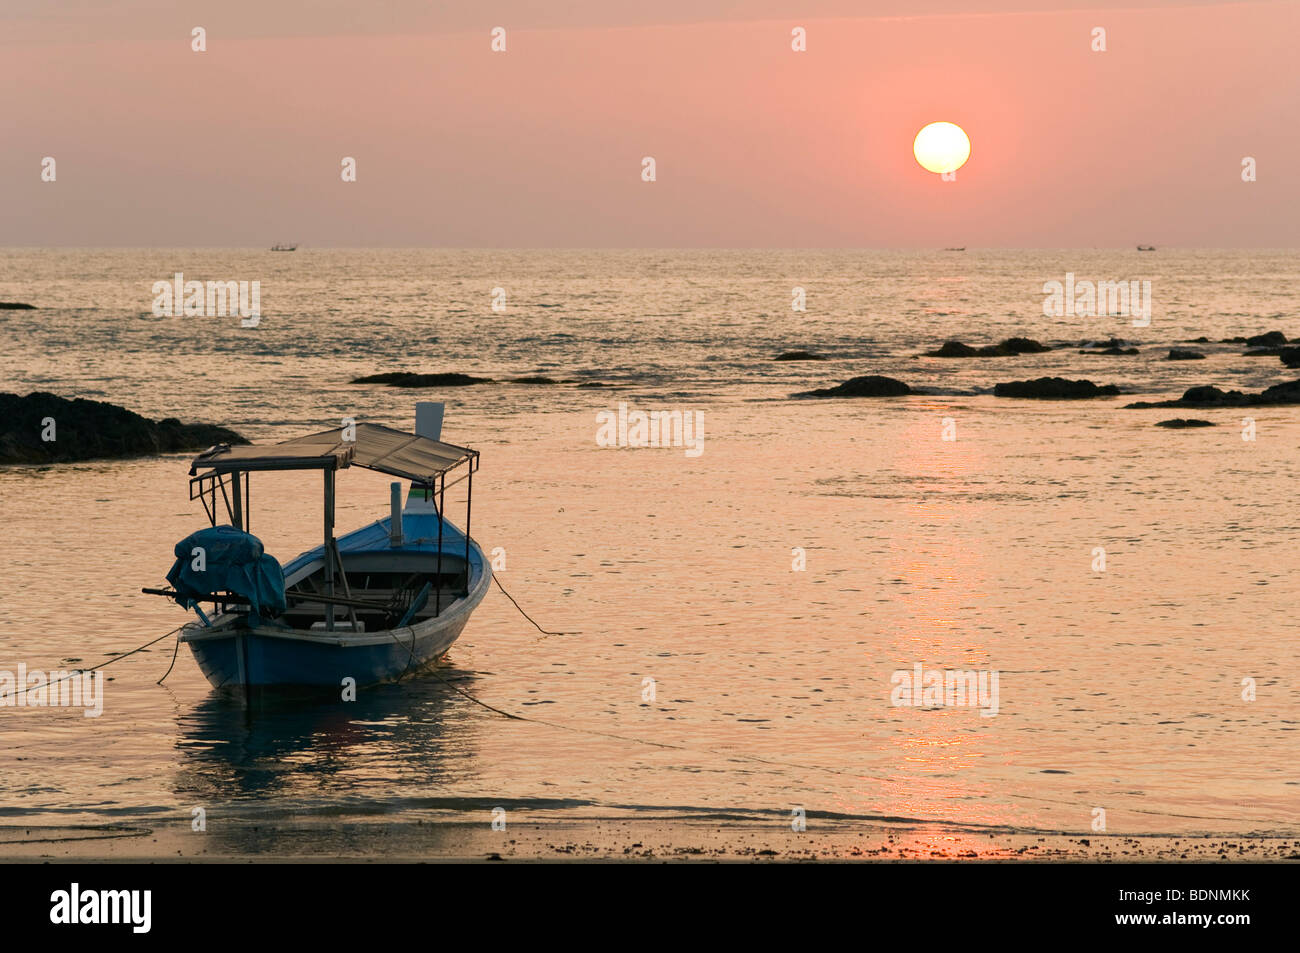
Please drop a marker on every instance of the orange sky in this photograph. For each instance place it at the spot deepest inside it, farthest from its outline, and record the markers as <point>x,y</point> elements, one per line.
<point>756,145</point>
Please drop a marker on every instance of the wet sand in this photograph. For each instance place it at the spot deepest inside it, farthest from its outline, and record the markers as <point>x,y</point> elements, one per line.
<point>660,839</point>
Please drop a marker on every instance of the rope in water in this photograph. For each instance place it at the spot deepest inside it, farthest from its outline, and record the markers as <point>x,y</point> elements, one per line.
<point>521,612</point>
<point>617,737</point>
<point>739,756</point>
<point>116,658</point>
<point>497,580</point>
<point>175,650</point>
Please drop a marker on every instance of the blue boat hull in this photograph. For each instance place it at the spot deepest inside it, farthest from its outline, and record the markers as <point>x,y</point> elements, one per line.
<point>233,655</point>
<point>250,658</point>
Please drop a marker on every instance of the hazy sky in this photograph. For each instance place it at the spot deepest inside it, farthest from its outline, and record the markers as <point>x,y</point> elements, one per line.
<point>756,145</point>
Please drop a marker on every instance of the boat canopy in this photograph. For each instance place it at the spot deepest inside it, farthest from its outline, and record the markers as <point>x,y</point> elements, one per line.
<point>424,461</point>
<point>418,459</point>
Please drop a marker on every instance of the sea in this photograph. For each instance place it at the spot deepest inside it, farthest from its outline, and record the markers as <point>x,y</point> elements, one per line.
<point>727,632</point>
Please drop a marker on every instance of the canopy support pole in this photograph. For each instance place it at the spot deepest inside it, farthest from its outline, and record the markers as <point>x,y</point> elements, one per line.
<point>437,586</point>
<point>329,546</point>
<point>221,482</point>
<point>236,508</point>
<point>469,498</point>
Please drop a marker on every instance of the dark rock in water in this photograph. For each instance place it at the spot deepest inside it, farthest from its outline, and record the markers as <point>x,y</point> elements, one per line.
<point>407,379</point>
<point>1112,342</point>
<point>1290,356</point>
<point>388,378</point>
<point>1208,396</point>
<point>1113,350</point>
<point>1054,388</point>
<point>1180,423</point>
<point>1023,346</point>
<point>16,306</point>
<point>1263,352</point>
<point>532,380</point>
<point>1176,354</point>
<point>1288,393</point>
<point>798,356</point>
<point>595,384</point>
<point>91,429</point>
<point>1271,339</point>
<point>1232,341</point>
<point>954,349</point>
<point>1200,340</point>
<point>1006,348</point>
<point>869,386</point>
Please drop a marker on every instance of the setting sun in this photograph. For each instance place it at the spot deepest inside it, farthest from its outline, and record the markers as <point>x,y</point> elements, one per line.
<point>941,147</point>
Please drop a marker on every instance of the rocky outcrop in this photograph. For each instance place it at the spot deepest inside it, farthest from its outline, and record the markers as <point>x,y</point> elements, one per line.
<point>1107,344</point>
<point>1268,339</point>
<point>91,429</point>
<point>407,379</point>
<point>869,386</point>
<point>1054,388</point>
<point>1179,354</point>
<point>1182,423</point>
<point>1207,396</point>
<point>16,306</point>
<point>1007,348</point>
<point>1023,346</point>
<point>957,349</point>
<point>798,356</point>
<point>1290,356</point>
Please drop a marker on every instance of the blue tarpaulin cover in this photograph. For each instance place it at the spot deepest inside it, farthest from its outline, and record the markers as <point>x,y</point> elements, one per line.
<point>233,561</point>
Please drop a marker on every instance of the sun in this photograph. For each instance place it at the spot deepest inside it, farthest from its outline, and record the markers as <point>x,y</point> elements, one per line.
<point>941,147</point>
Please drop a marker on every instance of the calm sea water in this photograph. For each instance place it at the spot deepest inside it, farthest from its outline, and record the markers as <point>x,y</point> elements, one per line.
<point>1119,689</point>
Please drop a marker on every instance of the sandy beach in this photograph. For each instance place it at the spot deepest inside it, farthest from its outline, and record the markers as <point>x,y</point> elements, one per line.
<point>610,840</point>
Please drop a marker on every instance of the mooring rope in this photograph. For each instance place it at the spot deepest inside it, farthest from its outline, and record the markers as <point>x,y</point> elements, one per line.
<point>175,650</point>
<point>116,658</point>
<point>497,580</point>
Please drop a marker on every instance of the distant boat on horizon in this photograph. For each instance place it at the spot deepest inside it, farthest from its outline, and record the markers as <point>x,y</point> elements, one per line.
<point>1146,248</point>
<point>963,248</point>
<point>284,248</point>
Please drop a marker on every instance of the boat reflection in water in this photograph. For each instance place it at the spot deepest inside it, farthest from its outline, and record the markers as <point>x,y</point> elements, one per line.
<point>271,767</point>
